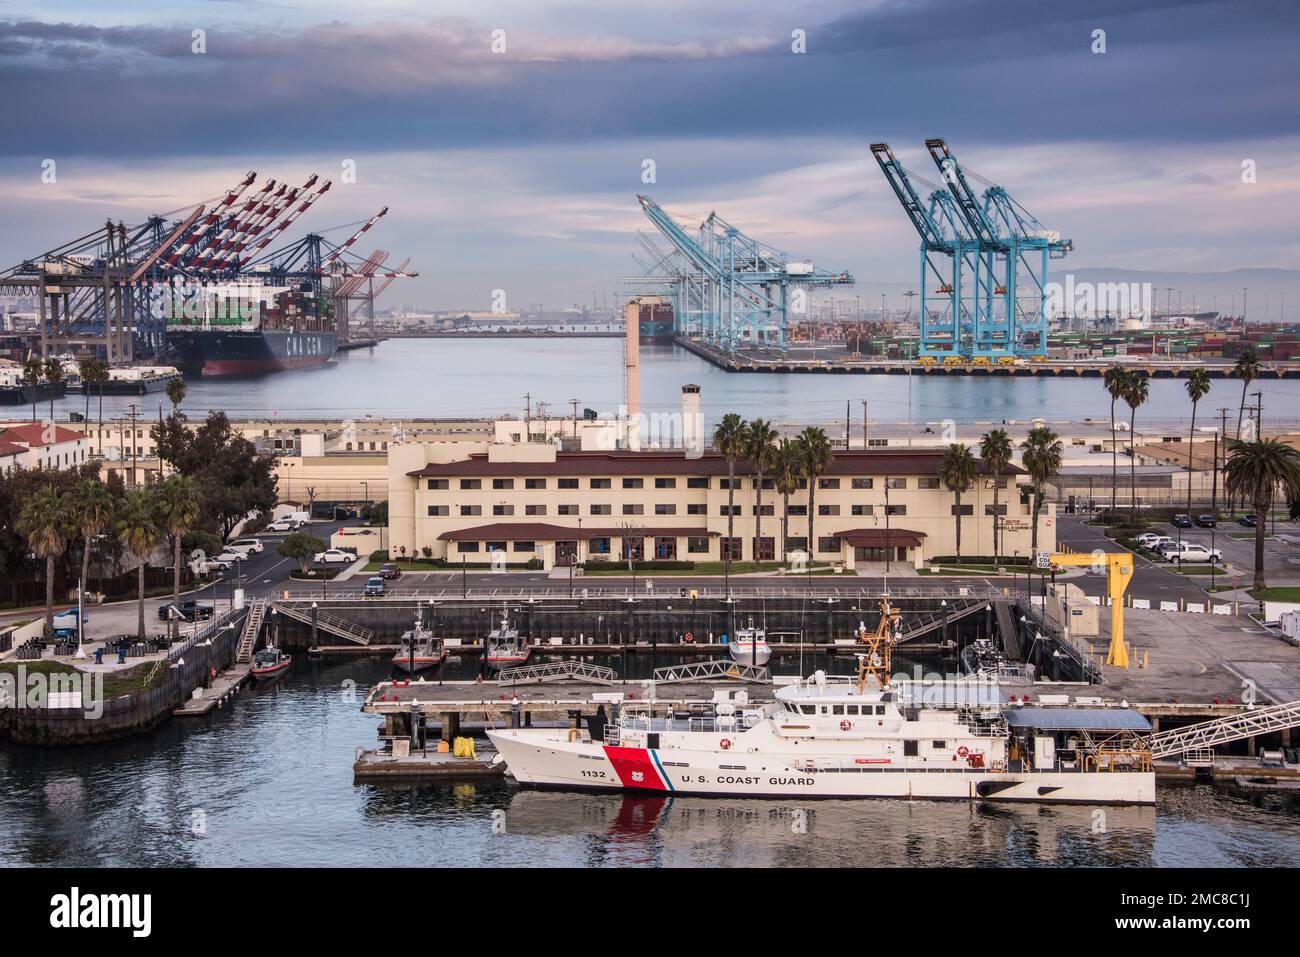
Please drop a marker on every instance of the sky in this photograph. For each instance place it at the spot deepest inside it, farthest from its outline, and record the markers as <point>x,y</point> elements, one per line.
<point>518,168</point>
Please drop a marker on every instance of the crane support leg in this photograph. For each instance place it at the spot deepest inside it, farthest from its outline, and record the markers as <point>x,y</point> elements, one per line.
<point>1119,571</point>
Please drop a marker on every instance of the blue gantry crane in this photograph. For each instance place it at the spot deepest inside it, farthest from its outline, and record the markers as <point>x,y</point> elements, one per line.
<point>984,262</point>
<point>732,290</point>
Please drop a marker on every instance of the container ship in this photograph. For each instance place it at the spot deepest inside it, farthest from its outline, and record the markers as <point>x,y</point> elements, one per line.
<point>250,329</point>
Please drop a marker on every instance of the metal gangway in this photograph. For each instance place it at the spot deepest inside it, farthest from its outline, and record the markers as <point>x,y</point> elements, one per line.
<point>252,629</point>
<point>1206,734</point>
<point>570,669</point>
<point>326,622</point>
<point>917,625</point>
<point>718,668</point>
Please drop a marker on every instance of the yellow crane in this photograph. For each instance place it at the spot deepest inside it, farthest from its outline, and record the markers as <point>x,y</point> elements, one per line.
<point>1119,569</point>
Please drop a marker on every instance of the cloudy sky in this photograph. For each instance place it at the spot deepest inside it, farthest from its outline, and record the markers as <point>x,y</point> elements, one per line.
<point>519,169</point>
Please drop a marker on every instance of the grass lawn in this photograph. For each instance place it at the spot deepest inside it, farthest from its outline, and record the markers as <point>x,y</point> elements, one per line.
<point>701,568</point>
<point>116,683</point>
<point>1282,593</point>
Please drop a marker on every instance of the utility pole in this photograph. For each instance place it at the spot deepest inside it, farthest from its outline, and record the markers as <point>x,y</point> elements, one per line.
<point>134,417</point>
<point>528,416</point>
<point>574,403</point>
<point>864,425</point>
<point>1223,430</point>
<point>1259,415</point>
<point>847,406</point>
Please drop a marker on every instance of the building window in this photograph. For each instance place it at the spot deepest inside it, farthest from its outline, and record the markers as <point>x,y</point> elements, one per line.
<point>698,544</point>
<point>566,509</point>
<point>723,509</point>
<point>471,483</point>
<point>503,510</point>
<point>662,509</point>
<point>864,483</point>
<point>697,481</point>
<point>927,482</point>
<point>860,509</point>
<point>471,510</point>
<point>534,483</point>
<point>797,543</point>
<point>797,510</point>
<point>1001,509</point>
<point>896,483</point>
<point>828,483</point>
<point>665,483</point>
<point>665,548</point>
<point>828,543</point>
<point>696,508</point>
<point>765,549</point>
<point>601,483</point>
<point>630,509</point>
<point>467,546</point>
<point>601,510</point>
<point>730,548</point>
<point>965,509</point>
<point>633,483</point>
<point>767,483</point>
<point>437,485</point>
<point>895,509</point>
<point>877,443</point>
<point>534,509</point>
<point>828,510</point>
<point>525,546</point>
<point>436,511</point>
<point>599,546</point>
<point>503,483</point>
<point>633,548</point>
<point>726,483</point>
<point>767,510</point>
<point>566,483</point>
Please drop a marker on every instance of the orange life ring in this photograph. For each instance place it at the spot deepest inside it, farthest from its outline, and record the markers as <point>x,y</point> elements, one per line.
<point>846,725</point>
<point>688,638</point>
<point>724,743</point>
<point>963,751</point>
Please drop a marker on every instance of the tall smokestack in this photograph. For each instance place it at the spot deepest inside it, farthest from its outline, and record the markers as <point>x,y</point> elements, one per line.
<point>632,372</point>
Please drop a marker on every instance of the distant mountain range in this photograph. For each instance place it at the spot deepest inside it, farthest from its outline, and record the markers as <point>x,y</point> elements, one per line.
<point>1272,294</point>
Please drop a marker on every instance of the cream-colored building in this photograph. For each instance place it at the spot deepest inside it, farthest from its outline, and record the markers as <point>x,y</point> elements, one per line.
<point>534,501</point>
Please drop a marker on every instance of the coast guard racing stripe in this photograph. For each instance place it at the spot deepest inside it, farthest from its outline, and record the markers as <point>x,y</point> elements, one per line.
<point>637,768</point>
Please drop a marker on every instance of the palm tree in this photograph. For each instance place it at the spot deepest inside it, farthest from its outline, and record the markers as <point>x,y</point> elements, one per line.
<point>996,451</point>
<point>1247,370</point>
<point>98,375</point>
<point>1116,384</point>
<point>761,452</point>
<point>85,368</point>
<point>32,376</point>
<point>43,522</point>
<point>1197,386</point>
<point>957,472</point>
<point>1041,455</point>
<point>1135,394</point>
<point>92,512</point>
<point>53,371</point>
<point>785,475</point>
<point>1255,470</point>
<point>178,509</point>
<point>139,532</point>
<point>176,394</point>
<point>729,439</point>
<point>815,457</point>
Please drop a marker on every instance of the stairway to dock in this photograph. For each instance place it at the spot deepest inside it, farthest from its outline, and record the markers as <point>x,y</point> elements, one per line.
<point>252,630</point>
<point>333,624</point>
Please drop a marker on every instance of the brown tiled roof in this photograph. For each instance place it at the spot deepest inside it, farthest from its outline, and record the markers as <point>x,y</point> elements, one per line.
<point>11,448</point>
<point>546,532</point>
<point>649,464</point>
<point>881,537</point>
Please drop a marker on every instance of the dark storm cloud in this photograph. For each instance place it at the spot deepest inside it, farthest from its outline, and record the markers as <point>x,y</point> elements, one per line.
<point>1010,70</point>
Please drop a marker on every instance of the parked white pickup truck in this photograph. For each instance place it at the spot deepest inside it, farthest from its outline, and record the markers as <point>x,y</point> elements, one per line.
<point>1191,552</point>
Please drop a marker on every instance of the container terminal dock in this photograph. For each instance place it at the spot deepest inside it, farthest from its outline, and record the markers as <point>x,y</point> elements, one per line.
<point>806,359</point>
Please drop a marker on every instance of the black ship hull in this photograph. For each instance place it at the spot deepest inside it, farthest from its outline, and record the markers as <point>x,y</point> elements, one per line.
<point>238,352</point>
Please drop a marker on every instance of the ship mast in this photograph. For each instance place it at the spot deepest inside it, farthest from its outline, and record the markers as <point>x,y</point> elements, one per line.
<point>875,661</point>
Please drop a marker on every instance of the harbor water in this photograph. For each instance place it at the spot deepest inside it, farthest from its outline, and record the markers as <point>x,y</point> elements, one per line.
<point>442,378</point>
<point>267,781</point>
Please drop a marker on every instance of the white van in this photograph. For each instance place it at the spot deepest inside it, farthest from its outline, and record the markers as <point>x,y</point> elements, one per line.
<point>298,518</point>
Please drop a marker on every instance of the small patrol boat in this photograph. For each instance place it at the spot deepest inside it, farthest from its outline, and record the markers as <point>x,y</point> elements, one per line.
<point>270,663</point>
<point>421,649</point>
